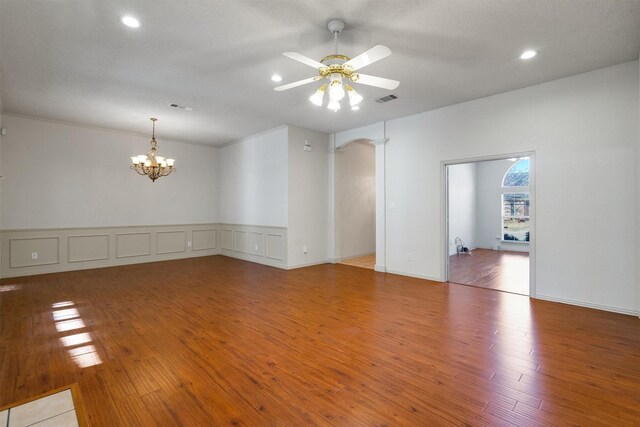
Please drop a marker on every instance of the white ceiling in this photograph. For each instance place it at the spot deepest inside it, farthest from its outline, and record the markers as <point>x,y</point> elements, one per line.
<point>72,60</point>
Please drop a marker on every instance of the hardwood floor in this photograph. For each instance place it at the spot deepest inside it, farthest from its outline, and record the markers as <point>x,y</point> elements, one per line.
<point>219,341</point>
<point>366,261</point>
<point>485,268</point>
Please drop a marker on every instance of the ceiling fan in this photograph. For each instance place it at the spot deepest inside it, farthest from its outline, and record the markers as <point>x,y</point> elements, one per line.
<point>339,69</point>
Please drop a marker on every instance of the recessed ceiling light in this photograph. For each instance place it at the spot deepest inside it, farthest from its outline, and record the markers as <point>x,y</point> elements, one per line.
<point>276,78</point>
<point>355,107</point>
<point>528,54</point>
<point>130,21</point>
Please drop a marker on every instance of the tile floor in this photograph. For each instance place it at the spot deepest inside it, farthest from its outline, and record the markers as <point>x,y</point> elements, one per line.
<point>56,410</point>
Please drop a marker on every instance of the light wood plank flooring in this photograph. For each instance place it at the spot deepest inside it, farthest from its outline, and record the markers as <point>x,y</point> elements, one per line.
<point>219,341</point>
<point>485,268</point>
<point>367,261</point>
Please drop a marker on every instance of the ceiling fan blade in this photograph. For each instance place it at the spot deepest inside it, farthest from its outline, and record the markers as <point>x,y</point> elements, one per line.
<point>377,81</point>
<point>374,54</point>
<point>304,59</point>
<point>296,84</point>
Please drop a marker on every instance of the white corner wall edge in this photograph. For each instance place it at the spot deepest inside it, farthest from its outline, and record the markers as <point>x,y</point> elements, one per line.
<point>587,305</point>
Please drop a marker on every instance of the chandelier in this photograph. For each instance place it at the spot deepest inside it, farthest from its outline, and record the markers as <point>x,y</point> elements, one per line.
<point>150,164</point>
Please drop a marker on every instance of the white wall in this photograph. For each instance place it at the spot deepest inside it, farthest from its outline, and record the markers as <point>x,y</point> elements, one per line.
<point>253,180</point>
<point>308,197</point>
<point>61,175</point>
<point>356,198</point>
<point>463,210</point>
<point>584,131</point>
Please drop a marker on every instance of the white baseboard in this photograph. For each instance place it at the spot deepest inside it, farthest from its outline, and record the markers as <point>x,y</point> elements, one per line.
<point>417,276</point>
<point>252,258</point>
<point>588,305</point>
<point>380,268</point>
<point>309,264</point>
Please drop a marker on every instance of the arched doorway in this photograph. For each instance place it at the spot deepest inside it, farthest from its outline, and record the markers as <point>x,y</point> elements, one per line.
<point>355,203</point>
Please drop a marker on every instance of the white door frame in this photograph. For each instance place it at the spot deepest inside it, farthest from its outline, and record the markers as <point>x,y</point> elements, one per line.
<point>444,264</point>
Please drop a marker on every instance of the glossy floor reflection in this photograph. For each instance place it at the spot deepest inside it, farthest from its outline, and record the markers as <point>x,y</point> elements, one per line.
<point>485,268</point>
<point>218,341</point>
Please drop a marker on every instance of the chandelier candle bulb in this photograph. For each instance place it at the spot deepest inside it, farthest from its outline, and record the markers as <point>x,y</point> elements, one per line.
<point>354,97</point>
<point>336,91</point>
<point>318,96</point>
<point>152,165</point>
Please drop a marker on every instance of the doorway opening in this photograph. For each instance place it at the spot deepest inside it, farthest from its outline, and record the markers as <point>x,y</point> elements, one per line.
<point>356,203</point>
<point>490,223</point>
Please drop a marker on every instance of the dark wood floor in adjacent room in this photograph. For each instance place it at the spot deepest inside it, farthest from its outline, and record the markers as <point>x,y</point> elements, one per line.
<point>485,268</point>
<point>218,341</point>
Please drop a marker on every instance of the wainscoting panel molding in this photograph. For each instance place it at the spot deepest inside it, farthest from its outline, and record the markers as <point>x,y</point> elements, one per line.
<point>91,247</point>
<point>276,247</point>
<point>227,240</point>
<point>133,244</point>
<point>170,242</point>
<point>65,249</point>
<point>264,245</point>
<point>256,244</point>
<point>240,241</point>
<point>84,248</point>
<point>204,239</point>
<point>34,251</point>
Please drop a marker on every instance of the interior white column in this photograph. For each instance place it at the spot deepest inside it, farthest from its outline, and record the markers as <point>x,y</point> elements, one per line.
<point>638,215</point>
<point>333,242</point>
<point>381,205</point>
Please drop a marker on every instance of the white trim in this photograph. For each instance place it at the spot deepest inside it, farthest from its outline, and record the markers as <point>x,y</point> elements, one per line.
<point>105,129</point>
<point>380,268</point>
<point>415,275</point>
<point>488,158</point>
<point>309,264</point>
<point>380,141</point>
<point>255,135</point>
<point>589,305</point>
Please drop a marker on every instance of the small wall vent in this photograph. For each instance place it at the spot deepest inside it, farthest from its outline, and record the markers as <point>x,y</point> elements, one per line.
<point>386,99</point>
<point>181,107</point>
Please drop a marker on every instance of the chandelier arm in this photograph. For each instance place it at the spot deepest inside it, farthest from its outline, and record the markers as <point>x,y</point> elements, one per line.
<point>154,169</point>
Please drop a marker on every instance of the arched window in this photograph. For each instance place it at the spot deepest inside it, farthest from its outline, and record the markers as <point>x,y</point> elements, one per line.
<point>515,202</point>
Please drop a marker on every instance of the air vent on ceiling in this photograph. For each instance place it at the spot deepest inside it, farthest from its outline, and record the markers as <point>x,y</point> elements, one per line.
<point>386,99</point>
<point>181,107</point>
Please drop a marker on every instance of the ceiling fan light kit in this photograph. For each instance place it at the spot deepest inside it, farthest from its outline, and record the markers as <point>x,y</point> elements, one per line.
<point>339,69</point>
